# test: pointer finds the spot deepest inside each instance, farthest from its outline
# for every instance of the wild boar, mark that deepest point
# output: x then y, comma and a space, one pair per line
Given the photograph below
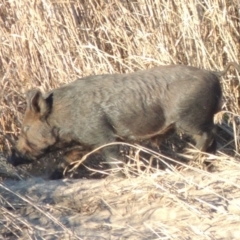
101, 109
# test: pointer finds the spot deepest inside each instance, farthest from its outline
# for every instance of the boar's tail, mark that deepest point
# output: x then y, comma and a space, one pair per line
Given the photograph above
222, 73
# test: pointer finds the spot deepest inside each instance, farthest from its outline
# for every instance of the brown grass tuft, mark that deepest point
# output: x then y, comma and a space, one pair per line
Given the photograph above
48, 43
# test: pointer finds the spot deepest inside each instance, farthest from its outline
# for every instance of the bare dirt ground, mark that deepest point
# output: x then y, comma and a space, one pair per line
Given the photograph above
45, 44
188, 203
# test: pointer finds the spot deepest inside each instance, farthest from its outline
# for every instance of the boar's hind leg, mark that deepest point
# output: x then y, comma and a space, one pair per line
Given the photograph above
201, 127
206, 142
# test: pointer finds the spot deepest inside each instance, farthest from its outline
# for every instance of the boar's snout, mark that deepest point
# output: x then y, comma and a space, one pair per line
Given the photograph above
37, 136
17, 159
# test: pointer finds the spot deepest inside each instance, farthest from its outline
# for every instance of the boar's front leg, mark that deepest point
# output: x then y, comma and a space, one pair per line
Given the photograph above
113, 158
105, 133
69, 157
110, 153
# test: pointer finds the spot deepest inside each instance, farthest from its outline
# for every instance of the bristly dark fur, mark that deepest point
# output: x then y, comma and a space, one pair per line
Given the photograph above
96, 110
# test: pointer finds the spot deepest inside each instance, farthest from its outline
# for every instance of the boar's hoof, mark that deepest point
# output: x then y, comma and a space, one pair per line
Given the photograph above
115, 175
16, 159
56, 175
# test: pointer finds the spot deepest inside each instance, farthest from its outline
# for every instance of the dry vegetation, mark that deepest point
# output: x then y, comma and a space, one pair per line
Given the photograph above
46, 43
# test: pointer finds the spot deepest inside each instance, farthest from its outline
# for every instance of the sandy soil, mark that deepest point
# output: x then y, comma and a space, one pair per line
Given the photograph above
184, 204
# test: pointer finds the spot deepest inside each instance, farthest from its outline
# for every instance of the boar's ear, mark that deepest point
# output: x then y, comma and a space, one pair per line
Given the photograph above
38, 104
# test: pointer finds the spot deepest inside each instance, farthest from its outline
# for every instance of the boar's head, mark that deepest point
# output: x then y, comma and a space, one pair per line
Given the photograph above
37, 136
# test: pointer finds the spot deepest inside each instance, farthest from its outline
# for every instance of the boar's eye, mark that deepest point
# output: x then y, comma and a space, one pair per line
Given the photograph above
25, 129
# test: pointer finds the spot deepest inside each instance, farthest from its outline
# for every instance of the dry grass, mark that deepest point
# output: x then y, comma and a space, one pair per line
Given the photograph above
184, 204
48, 43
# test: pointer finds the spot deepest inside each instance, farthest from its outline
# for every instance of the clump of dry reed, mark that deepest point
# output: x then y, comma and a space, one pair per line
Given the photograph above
47, 43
